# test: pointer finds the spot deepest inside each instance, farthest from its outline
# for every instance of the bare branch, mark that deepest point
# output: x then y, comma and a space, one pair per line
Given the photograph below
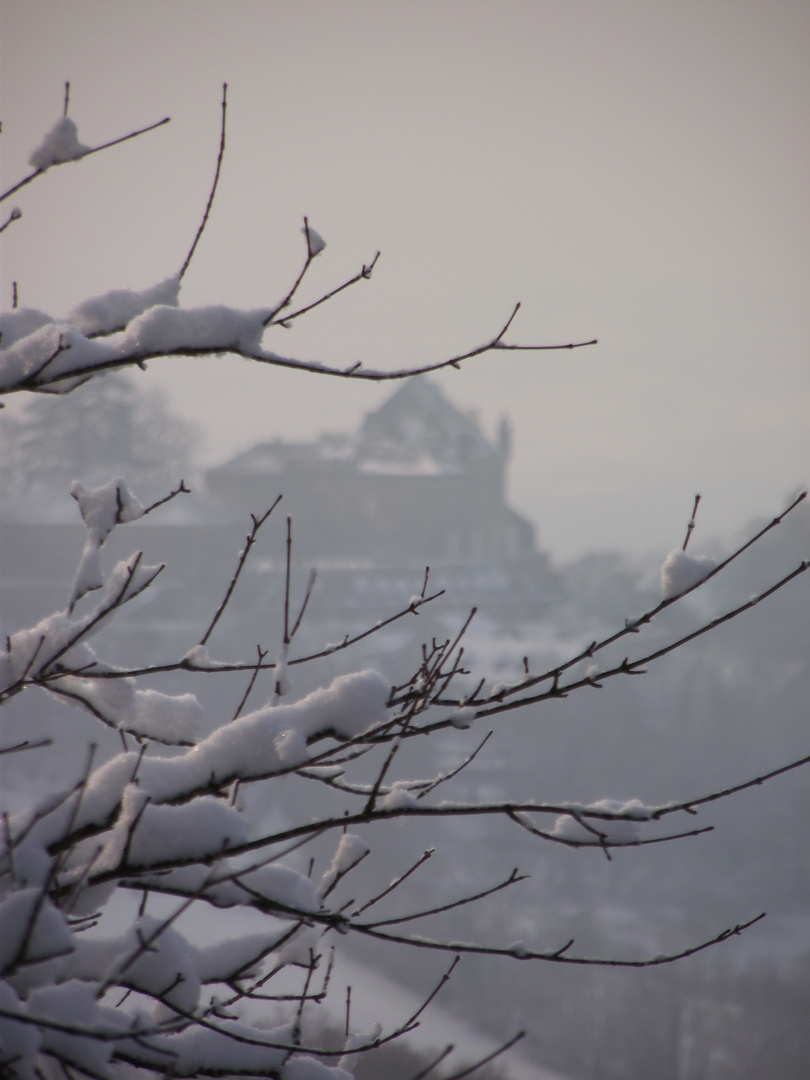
395, 883
210, 203
691, 525
627, 666
513, 879
307, 263
363, 275
287, 583
633, 625
15, 215
26, 745
558, 956
251, 684
490, 1057
310, 586
435, 1063
180, 490
220, 668
249, 542
690, 804
117, 359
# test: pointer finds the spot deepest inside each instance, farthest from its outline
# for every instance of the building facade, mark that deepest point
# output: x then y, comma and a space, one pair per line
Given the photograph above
418, 484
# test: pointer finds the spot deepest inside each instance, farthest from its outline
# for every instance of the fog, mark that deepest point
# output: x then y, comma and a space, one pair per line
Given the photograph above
632, 172
723, 709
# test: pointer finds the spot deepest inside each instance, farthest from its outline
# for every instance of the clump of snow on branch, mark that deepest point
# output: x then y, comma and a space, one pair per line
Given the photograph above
59, 145
270, 740
148, 834
53, 349
18, 324
102, 509
56, 980
199, 657
462, 717
45, 351
63, 637
582, 827
681, 572
350, 851
315, 241
169, 329
400, 797
174, 719
115, 309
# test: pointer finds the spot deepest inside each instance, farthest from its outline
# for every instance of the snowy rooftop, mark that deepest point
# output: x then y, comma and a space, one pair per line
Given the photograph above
417, 431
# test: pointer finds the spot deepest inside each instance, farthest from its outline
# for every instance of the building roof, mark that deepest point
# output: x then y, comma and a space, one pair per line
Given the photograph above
415, 431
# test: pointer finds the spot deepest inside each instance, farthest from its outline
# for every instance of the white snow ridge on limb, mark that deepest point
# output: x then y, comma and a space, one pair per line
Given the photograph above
682, 572
101, 509
115, 309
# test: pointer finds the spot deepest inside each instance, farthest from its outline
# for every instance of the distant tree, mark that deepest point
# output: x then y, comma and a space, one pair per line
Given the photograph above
164, 820
107, 426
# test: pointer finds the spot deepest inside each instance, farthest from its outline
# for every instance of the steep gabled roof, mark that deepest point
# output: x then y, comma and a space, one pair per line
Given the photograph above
418, 421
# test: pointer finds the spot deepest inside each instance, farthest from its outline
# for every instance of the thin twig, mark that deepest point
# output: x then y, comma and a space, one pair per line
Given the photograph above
560, 956
423, 858
691, 523
287, 583
180, 490
513, 879
249, 542
363, 275
310, 585
15, 215
490, 1057
435, 1063
288, 298
210, 203
25, 745
251, 684
690, 804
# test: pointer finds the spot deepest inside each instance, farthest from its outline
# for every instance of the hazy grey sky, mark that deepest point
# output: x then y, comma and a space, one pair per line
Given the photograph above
632, 170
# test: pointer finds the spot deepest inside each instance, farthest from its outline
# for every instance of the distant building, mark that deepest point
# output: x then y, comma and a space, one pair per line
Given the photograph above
418, 484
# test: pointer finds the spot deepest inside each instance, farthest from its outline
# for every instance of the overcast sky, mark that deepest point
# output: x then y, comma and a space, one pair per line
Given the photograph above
629, 170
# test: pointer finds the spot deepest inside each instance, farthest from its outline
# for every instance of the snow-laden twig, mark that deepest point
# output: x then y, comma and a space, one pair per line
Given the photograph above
633, 625
57, 356
86, 152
